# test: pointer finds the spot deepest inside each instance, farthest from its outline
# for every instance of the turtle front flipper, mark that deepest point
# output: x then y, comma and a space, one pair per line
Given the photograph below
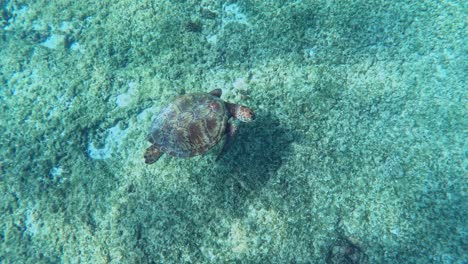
216, 92
231, 131
152, 154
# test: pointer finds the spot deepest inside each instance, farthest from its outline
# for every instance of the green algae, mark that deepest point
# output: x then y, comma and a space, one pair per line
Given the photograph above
357, 155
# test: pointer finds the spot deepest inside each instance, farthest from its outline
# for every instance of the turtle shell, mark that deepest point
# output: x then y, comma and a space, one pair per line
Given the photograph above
190, 125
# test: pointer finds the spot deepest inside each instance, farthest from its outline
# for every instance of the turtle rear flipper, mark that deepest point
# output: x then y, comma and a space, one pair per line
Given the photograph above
216, 92
152, 154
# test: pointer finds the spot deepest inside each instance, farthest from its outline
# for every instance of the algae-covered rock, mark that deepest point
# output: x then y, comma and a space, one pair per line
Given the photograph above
357, 154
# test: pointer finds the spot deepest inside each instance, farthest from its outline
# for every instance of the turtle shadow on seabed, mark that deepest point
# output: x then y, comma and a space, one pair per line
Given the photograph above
255, 156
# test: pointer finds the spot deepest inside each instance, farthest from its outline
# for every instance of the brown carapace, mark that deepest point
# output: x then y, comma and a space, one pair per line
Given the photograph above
194, 123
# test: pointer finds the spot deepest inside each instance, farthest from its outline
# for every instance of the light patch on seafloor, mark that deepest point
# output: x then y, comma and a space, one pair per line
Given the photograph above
54, 41
273, 225
19, 18
263, 216
240, 84
232, 14
31, 221
310, 53
208, 252
212, 39
269, 228
75, 46
238, 238
56, 173
127, 98
114, 138
239, 87
66, 26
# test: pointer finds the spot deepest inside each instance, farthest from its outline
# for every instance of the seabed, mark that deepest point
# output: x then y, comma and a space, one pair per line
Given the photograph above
358, 153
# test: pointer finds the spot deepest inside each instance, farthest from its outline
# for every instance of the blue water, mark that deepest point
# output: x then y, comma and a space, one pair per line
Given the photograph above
357, 154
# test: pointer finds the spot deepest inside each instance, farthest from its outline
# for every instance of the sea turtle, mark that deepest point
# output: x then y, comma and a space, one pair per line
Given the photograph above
192, 124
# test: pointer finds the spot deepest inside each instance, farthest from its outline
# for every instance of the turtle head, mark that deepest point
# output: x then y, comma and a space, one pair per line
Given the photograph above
241, 112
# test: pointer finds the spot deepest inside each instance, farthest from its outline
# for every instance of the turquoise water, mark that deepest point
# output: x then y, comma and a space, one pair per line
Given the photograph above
357, 154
